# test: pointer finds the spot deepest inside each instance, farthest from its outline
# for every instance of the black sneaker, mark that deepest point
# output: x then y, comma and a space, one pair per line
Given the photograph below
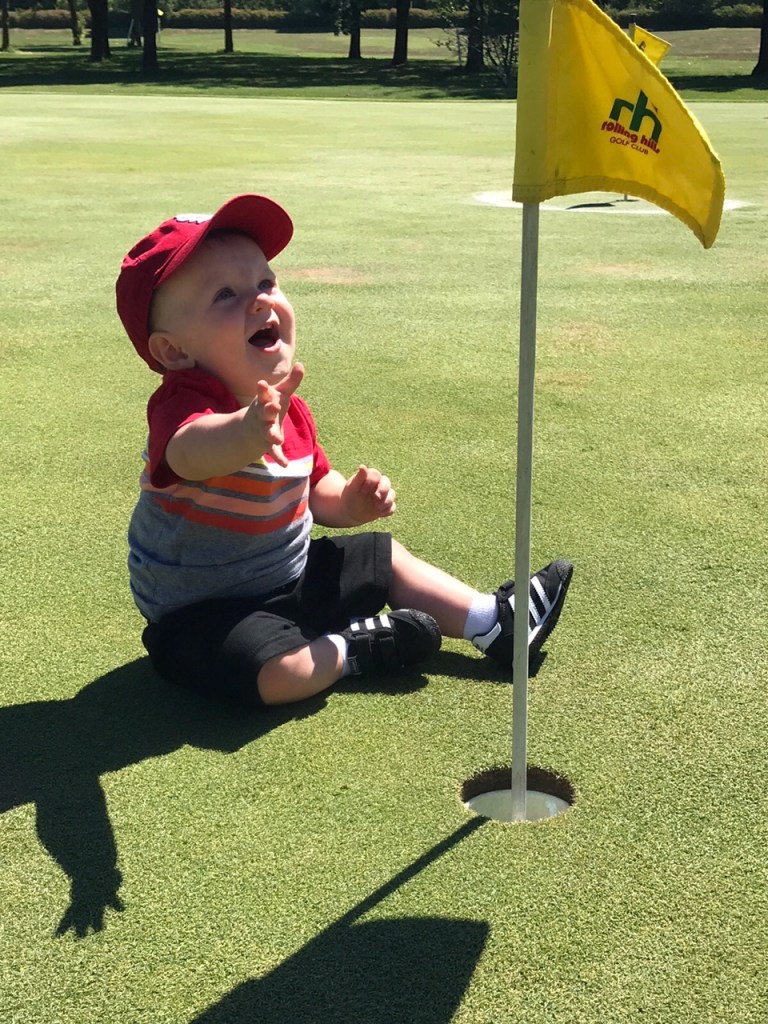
546, 596
387, 642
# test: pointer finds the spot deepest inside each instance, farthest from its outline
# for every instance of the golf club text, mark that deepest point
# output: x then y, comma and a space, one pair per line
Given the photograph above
622, 137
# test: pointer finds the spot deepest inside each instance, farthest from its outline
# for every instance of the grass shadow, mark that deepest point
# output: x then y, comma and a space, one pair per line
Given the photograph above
377, 972
54, 752
219, 72
425, 79
39, 48
456, 665
717, 83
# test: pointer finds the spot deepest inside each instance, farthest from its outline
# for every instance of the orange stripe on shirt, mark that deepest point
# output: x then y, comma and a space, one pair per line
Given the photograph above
261, 483
262, 488
246, 507
194, 514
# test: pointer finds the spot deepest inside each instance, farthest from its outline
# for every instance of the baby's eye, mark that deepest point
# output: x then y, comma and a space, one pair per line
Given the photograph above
223, 293
267, 284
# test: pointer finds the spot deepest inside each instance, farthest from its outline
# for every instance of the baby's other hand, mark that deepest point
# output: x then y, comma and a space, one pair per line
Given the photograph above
368, 495
266, 412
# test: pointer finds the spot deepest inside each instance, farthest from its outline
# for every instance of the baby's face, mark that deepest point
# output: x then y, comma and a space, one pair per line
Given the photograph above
225, 312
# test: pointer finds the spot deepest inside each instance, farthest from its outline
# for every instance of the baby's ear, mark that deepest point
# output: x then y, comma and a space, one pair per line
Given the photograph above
167, 354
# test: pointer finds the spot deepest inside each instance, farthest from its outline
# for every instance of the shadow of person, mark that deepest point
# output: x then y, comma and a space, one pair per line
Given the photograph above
404, 970
408, 970
52, 754
457, 665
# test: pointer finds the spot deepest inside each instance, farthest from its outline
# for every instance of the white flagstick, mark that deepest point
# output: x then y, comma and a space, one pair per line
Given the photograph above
523, 490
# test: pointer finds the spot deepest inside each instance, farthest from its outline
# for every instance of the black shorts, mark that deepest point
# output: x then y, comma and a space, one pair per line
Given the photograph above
219, 647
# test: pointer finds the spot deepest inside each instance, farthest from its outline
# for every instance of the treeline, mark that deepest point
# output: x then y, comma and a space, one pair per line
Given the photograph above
209, 16
288, 16
685, 14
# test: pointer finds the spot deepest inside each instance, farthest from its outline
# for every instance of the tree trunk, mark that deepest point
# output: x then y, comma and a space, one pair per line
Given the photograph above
137, 19
149, 28
99, 30
74, 23
475, 59
229, 45
5, 45
760, 69
402, 11
354, 34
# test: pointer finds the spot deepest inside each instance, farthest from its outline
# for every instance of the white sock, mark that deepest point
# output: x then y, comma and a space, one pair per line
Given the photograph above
481, 617
341, 646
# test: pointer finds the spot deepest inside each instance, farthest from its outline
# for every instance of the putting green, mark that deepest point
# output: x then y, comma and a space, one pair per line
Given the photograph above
318, 864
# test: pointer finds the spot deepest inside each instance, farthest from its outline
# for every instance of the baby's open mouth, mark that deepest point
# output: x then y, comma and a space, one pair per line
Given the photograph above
266, 337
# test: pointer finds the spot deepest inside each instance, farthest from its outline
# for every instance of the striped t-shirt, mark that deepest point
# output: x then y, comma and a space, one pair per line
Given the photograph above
244, 534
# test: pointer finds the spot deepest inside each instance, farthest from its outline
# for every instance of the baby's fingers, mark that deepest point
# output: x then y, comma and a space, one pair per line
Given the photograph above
266, 394
384, 488
365, 480
275, 438
278, 455
291, 381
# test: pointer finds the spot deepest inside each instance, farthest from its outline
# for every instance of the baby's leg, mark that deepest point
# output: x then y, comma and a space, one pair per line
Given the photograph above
487, 620
373, 646
301, 673
417, 584
235, 650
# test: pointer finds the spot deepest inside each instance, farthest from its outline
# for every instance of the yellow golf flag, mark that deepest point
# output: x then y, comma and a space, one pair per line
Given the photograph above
652, 46
594, 114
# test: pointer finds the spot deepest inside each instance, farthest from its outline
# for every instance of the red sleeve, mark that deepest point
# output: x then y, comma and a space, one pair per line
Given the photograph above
321, 466
305, 422
183, 396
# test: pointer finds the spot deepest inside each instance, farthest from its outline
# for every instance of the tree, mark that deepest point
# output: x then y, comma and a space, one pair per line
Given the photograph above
74, 22
347, 20
475, 44
402, 11
99, 30
343, 17
691, 11
760, 69
484, 32
149, 28
229, 45
500, 37
453, 13
134, 29
6, 42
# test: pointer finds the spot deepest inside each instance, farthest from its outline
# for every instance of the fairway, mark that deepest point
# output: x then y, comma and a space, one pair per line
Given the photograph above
163, 861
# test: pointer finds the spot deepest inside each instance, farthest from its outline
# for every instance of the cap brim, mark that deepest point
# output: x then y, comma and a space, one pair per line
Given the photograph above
260, 218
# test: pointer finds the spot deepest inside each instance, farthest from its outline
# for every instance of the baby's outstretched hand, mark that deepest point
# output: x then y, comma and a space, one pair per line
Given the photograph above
368, 495
267, 411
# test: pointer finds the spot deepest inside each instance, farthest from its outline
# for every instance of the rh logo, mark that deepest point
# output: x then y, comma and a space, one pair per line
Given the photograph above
643, 117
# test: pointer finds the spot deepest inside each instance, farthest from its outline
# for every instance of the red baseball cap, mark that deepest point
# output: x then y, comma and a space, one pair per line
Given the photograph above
152, 260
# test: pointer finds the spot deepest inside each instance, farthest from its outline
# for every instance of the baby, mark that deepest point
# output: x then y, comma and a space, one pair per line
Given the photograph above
242, 602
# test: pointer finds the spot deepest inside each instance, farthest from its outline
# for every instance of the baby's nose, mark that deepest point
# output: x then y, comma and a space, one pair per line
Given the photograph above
261, 299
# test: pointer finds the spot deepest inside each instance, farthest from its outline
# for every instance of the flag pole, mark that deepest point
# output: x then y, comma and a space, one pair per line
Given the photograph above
573, 64
523, 493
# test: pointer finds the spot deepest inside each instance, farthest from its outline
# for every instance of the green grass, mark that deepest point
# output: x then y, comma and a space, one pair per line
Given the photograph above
279, 64
316, 864
375, 42
712, 64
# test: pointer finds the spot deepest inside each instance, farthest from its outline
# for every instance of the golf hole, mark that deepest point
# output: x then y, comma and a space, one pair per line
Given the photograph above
489, 794
591, 202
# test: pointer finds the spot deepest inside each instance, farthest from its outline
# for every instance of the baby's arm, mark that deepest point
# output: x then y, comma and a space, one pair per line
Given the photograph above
223, 443
366, 496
